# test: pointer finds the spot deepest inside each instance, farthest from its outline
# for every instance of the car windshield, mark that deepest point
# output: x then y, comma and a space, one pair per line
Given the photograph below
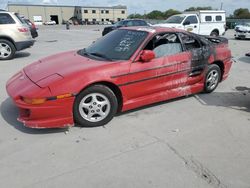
117, 45
175, 19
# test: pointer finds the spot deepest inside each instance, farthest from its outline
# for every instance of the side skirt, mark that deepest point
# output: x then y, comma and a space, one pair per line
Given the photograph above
162, 96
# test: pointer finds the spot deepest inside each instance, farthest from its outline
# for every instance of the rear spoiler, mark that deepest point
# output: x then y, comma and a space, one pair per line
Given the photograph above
216, 40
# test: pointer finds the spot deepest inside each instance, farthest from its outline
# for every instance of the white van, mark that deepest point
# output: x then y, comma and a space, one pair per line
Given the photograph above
203, 22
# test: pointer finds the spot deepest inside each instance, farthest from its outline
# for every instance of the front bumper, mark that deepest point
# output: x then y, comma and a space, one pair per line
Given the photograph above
24, 44
242, 35
51, 114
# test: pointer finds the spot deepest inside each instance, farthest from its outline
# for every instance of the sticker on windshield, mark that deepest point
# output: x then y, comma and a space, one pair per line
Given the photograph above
127, 41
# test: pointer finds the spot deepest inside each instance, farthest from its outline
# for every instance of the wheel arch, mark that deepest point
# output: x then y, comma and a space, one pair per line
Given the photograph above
215, 30
111, 86
221, 66
9, 39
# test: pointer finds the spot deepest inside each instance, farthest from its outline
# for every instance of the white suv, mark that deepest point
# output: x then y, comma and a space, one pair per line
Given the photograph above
14, 35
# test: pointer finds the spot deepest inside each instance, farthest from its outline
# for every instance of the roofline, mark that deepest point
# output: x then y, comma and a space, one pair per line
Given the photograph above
53, 5
203, 11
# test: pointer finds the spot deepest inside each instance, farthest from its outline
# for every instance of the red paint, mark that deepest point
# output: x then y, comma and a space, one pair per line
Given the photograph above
141, 83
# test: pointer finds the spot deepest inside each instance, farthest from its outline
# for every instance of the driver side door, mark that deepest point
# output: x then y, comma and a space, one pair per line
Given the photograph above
143, 78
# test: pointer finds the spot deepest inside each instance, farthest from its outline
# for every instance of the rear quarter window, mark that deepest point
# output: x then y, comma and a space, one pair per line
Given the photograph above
6, 19
218, 18
20, 19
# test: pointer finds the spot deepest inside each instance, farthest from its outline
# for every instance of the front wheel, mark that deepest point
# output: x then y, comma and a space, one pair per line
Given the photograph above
95, 106
213, 77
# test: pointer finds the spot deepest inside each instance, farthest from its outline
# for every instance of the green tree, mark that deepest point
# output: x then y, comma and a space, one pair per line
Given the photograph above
242, 13
198, 8
132, 16
171, 12
155, 14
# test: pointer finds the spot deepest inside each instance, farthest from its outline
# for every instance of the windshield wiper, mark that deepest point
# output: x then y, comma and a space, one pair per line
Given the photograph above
83, 52
101, 55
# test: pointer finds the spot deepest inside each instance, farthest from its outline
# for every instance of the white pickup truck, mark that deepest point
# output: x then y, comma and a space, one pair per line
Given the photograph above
203, 22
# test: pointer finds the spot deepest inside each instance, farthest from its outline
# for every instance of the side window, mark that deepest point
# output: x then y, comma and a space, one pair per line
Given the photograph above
164, 45
136, 23
142, 23
125, 23
208, 18
192, 19
189, 41
129, 23
6, 19
218, 18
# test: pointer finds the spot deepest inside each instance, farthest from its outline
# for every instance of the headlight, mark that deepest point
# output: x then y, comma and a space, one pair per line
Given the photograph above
36, 101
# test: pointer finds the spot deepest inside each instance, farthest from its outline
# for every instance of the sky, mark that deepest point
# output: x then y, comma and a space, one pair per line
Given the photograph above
144, 6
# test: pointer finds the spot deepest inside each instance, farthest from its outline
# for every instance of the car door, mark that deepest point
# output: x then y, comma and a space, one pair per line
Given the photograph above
143, 78
161, 73
175, 64
191, 24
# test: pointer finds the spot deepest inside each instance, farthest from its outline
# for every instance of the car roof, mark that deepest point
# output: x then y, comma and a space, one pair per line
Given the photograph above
153, 29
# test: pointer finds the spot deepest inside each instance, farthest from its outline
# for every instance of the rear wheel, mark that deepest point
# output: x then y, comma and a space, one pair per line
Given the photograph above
95, 106
213, 77
7, 50
214, 34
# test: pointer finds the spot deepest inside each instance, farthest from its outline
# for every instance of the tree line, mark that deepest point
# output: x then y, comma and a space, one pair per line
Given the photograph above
241, 13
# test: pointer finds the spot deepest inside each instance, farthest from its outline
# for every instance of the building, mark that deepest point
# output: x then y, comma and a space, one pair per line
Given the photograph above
102, 14
61, 13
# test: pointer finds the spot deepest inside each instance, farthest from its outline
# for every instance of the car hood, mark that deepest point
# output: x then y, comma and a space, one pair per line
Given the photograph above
58, 66
171, 25
242, 28
109, 27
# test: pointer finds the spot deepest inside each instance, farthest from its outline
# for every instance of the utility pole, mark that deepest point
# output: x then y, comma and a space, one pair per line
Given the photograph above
221, 5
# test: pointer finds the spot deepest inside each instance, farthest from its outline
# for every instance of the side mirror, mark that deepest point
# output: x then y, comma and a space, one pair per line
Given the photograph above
186, 23
147, 55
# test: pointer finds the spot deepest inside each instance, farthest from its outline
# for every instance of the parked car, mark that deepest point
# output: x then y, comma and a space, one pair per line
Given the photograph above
14, 35
38, 22
203, 22
124, 23
242, 31
32, 27
126, 69
52, 22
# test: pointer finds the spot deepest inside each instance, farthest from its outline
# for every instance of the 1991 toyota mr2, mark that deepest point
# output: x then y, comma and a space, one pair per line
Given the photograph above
125, 69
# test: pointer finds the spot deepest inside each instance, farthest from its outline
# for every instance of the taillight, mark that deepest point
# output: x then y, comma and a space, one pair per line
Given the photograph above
23, 29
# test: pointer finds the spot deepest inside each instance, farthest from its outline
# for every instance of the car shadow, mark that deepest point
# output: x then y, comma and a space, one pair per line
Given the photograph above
9, 112
238, 100
21, 55
245, 59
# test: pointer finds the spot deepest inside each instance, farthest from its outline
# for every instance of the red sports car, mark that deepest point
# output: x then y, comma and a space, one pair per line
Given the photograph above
125, 69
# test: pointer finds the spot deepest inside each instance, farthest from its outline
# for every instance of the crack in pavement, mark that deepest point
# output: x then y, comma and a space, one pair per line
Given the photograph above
194, 165
94, 163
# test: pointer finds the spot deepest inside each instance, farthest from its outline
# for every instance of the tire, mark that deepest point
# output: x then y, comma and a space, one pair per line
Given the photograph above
214, 34
7, 50
212, 79
95, 106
